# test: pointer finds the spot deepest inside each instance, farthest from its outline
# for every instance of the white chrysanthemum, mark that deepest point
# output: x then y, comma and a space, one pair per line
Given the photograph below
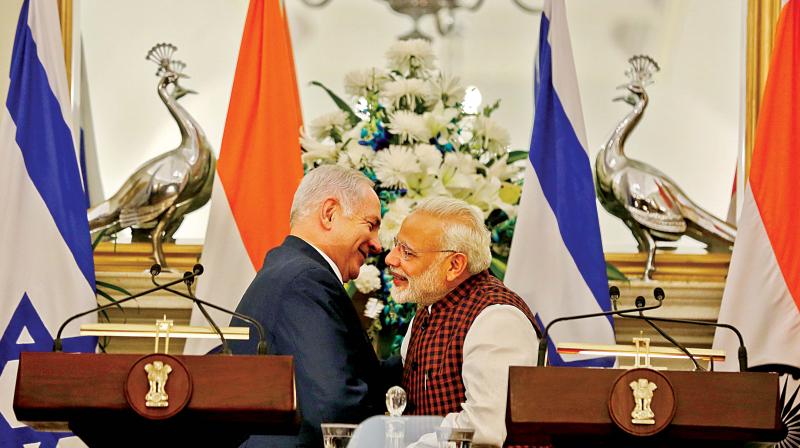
446, 89
439, 121
407, 93
394, 164
502, 170
373, 308
316, 151
360, 82
409, 55
368, 280
322, 126
390, 224
492, 136
409, 126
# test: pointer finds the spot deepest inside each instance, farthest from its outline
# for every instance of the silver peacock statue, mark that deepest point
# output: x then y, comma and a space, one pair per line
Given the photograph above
154, 200
651, 204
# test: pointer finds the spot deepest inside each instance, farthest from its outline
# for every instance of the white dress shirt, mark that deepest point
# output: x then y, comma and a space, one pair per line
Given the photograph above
500, 336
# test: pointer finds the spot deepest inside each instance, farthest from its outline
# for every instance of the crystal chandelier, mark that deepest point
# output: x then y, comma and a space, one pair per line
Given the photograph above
443, 12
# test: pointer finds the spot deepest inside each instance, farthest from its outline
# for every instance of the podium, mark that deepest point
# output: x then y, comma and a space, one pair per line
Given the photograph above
567, 406
214, 400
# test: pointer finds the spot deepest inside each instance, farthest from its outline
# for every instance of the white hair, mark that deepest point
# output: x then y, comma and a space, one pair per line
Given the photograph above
344, 184
463, 230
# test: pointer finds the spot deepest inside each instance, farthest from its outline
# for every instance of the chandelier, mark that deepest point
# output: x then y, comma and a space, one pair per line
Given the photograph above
443, 12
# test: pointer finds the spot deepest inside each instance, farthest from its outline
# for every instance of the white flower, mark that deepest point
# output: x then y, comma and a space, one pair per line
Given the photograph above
373, 308
369, 279
393, 164
429, 157
492, 136
390, 224
502, 170
322, 126
355, 156
360, 82
446, 89
315, 151
458, 173
406, 56
409, 126
438, 122
485, 194
407, 93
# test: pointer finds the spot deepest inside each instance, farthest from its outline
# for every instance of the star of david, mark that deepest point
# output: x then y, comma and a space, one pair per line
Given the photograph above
26, 318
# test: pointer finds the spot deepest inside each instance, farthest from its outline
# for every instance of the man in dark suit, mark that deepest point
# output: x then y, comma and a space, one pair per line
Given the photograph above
298, 296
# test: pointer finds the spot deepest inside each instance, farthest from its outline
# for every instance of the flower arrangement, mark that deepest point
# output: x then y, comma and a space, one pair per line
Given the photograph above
411, 130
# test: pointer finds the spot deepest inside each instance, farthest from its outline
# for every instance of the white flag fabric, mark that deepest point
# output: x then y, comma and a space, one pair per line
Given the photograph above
556, 262
46, 264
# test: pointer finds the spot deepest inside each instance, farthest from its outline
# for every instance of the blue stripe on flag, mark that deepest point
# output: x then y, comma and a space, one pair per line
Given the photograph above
46, 144
564, 172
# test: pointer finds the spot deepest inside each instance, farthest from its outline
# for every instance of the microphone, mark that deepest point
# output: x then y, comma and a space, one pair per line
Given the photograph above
614, 293
188, 279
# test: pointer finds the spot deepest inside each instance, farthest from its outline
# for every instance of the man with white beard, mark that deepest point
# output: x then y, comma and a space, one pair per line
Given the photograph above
469, 328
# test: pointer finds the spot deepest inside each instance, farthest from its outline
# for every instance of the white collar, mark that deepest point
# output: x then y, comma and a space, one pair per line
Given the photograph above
330, 262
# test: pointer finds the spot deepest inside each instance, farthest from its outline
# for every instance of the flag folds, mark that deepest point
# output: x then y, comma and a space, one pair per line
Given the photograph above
259, 163
46, 264
556, 262
762, 295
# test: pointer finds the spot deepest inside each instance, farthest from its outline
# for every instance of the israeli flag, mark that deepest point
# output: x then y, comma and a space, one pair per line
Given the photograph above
556, 262
46, 265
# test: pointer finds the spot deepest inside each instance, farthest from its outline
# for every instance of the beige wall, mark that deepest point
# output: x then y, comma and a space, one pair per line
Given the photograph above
691, 130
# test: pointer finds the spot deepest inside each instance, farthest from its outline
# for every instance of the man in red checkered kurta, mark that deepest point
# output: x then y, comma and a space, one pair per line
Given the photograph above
469, 328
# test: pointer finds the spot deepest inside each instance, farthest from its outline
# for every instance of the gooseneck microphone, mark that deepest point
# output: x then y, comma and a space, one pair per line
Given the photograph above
188, 279
614, 292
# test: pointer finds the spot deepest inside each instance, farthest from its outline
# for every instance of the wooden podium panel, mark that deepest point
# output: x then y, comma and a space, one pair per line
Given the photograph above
569, 406
231, 397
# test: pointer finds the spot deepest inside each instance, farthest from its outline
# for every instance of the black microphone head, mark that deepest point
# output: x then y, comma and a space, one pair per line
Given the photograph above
155, 269
198, 269
658, 293
613, 292
187, 278
640, 302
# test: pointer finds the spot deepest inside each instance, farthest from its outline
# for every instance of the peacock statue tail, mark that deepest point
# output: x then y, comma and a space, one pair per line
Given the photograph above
155, 198
651, 204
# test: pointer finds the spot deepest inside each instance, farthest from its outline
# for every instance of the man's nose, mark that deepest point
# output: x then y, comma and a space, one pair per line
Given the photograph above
374, 246
393, 257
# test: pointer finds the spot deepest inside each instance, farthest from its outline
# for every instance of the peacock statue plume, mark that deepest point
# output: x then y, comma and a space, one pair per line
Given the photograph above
155, 198
651, 204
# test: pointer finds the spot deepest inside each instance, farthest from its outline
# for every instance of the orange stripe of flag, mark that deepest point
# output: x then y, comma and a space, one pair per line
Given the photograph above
259, 163
775, 167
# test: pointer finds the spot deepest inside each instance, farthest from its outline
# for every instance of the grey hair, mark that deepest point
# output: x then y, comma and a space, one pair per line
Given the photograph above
325, 181
463, 230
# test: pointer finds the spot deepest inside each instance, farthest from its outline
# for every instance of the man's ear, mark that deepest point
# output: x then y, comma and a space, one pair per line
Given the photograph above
326, 212
458, 265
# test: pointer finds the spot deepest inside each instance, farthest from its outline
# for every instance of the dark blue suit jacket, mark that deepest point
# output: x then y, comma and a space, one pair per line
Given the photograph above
307, 314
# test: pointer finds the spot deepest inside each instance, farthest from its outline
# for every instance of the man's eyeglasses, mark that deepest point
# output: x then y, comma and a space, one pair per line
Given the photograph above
406, 253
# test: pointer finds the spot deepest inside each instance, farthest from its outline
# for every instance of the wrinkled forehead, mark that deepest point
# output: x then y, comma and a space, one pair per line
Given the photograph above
421, 230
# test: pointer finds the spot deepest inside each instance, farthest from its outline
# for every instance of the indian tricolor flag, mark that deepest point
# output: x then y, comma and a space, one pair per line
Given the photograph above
762, 296
259, 164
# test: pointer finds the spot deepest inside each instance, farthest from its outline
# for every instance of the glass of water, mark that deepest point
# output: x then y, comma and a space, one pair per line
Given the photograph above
337, 435
454, 437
